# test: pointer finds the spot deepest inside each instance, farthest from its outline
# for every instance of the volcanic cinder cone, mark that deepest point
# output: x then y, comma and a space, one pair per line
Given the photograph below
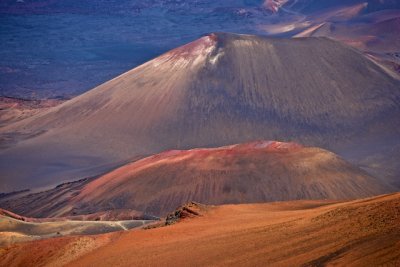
260, 171
220, 89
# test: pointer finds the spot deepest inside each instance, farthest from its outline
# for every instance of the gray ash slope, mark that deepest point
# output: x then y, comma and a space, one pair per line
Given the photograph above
220, 89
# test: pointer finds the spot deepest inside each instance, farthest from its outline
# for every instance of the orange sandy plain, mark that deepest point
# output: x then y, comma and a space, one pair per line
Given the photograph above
358, 233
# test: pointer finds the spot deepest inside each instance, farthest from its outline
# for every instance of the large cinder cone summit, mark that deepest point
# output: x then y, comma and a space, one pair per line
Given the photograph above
220, 89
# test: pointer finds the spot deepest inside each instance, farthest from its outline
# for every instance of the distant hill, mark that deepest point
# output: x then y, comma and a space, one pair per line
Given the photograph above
261, 171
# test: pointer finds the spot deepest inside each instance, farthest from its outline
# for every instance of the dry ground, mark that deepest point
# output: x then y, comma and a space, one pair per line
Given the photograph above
302, 233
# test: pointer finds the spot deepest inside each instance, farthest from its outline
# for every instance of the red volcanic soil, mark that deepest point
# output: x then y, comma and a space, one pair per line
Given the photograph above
251, 172
259, 171
302, 233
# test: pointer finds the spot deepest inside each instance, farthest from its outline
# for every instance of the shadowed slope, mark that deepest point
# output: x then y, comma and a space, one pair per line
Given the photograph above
302, 233
246, 173
220, 89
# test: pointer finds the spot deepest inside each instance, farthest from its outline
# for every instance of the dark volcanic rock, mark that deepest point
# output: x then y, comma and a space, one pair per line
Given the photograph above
190, 210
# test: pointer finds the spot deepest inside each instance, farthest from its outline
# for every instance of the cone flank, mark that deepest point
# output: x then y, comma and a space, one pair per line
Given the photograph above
218, 90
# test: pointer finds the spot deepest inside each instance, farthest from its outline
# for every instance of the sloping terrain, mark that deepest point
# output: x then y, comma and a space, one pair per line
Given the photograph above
246, 173
370, 26
218, 90
14, 109
107, 215
15, 228
374, 33
49, 205
260, 171
302, 233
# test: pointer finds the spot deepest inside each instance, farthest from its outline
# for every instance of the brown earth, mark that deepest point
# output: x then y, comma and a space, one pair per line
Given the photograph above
302, 233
